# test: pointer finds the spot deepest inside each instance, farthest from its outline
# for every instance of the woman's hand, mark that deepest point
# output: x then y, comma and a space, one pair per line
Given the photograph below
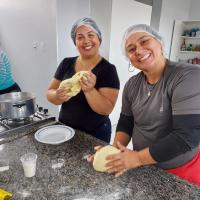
88, 82
61, 95
123, 161
90, 157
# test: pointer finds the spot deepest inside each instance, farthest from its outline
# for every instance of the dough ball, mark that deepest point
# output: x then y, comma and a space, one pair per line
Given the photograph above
100, 161
72, 84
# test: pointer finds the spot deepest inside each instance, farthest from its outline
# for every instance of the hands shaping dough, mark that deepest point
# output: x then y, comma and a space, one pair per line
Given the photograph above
72, 85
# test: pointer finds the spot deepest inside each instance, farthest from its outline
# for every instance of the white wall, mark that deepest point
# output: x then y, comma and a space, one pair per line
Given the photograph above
172, 9
194, 12
101, 13
24, 24
68, 12
133, 13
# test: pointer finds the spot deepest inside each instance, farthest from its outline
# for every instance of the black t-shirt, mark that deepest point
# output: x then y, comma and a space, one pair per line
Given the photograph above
76, 112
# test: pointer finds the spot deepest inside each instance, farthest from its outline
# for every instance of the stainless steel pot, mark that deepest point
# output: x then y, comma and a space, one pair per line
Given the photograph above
17, 105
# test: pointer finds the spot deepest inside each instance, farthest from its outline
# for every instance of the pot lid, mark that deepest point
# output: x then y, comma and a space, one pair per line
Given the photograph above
16, 97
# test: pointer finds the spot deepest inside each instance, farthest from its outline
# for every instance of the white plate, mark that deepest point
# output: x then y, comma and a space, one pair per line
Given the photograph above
56, 134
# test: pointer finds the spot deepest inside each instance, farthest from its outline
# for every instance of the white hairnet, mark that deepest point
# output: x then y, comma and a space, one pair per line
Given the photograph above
86, 22
140, 28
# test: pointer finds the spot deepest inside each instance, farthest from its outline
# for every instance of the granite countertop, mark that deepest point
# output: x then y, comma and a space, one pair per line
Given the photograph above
63, 173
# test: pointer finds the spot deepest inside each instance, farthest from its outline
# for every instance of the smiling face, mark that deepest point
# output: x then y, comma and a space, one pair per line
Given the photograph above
87, 41
144, 51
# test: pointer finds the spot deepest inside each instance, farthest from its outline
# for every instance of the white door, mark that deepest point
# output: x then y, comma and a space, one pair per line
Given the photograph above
176, 40
124, 14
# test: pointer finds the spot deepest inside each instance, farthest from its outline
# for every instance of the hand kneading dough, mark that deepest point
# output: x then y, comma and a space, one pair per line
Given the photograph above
72, 84
100, 161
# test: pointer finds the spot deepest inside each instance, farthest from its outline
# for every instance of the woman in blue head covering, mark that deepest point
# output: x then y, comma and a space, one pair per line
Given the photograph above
89, 109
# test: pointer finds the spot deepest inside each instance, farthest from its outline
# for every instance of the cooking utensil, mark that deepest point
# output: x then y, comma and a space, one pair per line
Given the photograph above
17, 105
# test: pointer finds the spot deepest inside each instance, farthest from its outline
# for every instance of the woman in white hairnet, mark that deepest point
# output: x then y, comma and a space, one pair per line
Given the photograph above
7, 83
88, 110
160, 110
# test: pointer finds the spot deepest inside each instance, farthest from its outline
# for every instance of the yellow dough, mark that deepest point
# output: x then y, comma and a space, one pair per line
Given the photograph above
100, 161
72, 84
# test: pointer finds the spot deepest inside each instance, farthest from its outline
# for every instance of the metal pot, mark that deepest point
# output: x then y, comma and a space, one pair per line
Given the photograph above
17, 105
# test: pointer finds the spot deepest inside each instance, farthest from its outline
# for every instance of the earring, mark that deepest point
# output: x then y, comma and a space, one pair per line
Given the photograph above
131, 68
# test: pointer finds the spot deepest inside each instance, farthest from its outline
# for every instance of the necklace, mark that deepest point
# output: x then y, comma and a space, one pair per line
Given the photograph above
150, 88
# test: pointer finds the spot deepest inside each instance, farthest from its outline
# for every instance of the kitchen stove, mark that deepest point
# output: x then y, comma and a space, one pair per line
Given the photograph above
23, 126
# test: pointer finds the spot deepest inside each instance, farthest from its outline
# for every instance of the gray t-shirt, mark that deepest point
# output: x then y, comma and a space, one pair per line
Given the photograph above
176, 93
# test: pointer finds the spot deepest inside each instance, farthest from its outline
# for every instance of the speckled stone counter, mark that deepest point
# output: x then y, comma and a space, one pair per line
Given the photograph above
63, 173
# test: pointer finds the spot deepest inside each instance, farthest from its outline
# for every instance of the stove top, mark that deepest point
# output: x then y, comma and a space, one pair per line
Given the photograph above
20, 127
8, 124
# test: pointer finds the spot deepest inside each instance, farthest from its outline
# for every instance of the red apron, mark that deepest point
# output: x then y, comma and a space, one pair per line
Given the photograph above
189, 171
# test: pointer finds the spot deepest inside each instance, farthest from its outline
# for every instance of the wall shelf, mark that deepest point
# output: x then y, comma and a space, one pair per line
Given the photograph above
180, 41
195, 52
187, 37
